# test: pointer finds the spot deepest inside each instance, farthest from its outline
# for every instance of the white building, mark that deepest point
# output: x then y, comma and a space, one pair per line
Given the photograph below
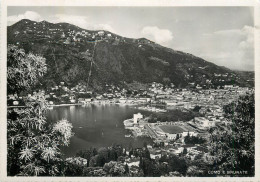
137, 117
228, 86
191, 133
101, 33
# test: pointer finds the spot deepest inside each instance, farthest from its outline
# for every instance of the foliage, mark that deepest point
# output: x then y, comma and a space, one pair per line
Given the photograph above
145, 153
33, 145
87, 154
149, 167
126, 169
185, 151
23, 70
102, 156
174, 174
233, 145
173, 115
74, 166
175, 163
196, 108
135, 171
194, 171
114, 168
194, 140
94, 172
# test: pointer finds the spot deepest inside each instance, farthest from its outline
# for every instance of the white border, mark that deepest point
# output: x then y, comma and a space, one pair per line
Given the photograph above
176, 3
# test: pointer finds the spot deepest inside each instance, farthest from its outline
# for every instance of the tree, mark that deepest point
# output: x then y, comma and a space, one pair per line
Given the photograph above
194, 171
93, 161
194, 140
121, 159
126, 169
114, 168
74, 166
233, 145
164, 169
177, 164
103, 156
33, 145
118, 150
145, 144
94, 171
87, 154
185, 151
108, 166
131, 152
117, 170
112, 155
177, 137
23, 70
146, 153
149, 167
196, 108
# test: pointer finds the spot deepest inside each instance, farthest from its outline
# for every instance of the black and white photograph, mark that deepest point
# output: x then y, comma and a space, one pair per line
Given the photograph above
130, 91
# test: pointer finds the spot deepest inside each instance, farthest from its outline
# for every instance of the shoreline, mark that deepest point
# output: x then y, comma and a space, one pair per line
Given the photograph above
60, 105
78, 104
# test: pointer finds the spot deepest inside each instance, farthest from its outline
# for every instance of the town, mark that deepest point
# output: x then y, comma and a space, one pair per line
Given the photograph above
189, 137
211, 101
169, 137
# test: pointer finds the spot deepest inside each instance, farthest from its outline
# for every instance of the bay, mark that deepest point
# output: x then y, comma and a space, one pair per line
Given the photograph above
97, 125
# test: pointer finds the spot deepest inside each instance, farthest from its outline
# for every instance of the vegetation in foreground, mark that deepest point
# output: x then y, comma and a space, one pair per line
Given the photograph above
33, 145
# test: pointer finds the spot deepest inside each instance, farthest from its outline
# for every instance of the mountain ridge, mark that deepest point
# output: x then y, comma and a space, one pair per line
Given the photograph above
71, 52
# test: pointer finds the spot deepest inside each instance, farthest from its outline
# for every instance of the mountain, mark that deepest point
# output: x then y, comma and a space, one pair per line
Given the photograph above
71, 52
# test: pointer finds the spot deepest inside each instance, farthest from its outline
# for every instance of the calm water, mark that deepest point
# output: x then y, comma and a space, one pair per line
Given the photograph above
96, 125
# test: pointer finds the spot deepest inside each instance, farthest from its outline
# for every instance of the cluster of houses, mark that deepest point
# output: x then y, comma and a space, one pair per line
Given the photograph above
68, 34
211, 101
80, 94
209, 104
85, 36
169, 138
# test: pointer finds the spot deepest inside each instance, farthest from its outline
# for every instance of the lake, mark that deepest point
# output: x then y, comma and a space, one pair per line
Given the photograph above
97, 125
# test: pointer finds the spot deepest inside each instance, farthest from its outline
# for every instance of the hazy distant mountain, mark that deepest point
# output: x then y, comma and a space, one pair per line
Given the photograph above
68, 50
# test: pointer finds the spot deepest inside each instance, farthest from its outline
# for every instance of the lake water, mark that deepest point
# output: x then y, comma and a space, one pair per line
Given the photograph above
97, 125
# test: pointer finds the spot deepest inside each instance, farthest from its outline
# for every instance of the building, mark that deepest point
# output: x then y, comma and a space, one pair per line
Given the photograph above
122, 100
101, 33
72, 98
137, 117
228, 86
204, 122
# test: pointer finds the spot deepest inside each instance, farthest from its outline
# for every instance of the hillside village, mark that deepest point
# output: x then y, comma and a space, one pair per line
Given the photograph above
71, 35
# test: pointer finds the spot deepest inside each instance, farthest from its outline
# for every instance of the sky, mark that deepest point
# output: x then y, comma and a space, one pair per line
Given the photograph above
222, 35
